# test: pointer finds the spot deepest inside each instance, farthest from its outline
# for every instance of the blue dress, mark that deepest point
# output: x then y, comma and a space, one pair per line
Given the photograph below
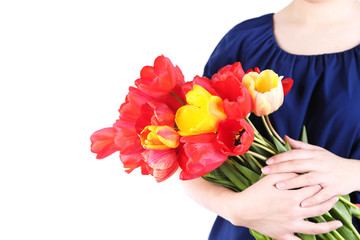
325, 96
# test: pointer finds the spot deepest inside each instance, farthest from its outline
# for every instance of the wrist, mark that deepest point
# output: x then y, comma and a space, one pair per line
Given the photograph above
236, 210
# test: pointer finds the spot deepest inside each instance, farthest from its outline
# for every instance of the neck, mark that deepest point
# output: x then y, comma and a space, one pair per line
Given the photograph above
323, 11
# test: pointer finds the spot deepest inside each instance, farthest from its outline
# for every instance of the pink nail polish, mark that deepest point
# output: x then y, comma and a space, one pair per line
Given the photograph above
280, 185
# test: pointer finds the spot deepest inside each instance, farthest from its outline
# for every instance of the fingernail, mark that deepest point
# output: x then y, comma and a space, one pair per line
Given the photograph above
305, 204
270, 161
280, 185
265, 170
339, 224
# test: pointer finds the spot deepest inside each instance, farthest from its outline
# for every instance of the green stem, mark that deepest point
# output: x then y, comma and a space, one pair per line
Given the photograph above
252, 125
177, 98
259, 138
257, 155
264, 142
322, 236
238, 157
344, 200
273, 130
264, 147
338, 235
267, 126
256, 161
353, 229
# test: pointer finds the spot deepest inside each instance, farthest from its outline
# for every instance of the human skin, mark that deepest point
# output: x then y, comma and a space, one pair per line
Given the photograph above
335, 175
305, 27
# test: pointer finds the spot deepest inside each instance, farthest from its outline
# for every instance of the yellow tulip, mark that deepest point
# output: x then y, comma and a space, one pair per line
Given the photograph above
266, 91
202, 114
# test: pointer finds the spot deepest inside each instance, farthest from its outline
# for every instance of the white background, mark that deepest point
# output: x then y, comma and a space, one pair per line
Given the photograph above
65, 67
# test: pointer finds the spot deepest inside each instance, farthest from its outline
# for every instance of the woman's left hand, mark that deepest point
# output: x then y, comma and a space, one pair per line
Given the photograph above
336, 175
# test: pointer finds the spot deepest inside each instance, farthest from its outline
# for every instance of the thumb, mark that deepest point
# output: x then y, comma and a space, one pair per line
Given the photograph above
295, 144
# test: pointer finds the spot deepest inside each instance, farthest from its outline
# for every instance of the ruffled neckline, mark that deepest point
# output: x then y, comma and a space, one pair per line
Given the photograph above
276, 45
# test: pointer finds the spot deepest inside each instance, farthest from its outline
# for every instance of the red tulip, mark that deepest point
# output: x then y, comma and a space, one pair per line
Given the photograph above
102, 142
134, 160
131, 124
237, 99
235, 136
160, 79
137, 113
235, 68
156, 114
199, 155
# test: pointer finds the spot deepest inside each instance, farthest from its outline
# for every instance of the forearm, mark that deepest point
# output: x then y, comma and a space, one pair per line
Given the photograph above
356, 174
211, 196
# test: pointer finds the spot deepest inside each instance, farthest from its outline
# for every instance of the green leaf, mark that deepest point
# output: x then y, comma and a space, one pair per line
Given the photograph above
249, 174
304, 137
306, 237
355, 212
279, 146
260, 151
234, 176
321, 237
341, 212
251, 160
287, 146
258, 236
223, 183
344, 231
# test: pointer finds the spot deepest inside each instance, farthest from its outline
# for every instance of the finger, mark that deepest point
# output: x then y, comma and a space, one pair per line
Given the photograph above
307, 192
322, 196
311, 228
307, 179
290, 155
319, 209
274, 178
297, 166
295, 144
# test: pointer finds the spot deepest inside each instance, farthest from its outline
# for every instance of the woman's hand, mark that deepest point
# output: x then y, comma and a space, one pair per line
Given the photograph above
277, 213
336, 175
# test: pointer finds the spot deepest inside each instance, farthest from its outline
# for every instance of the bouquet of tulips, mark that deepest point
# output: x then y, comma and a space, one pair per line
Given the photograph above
202, 128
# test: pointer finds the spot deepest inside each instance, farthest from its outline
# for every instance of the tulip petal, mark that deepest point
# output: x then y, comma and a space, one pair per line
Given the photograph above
163, 162
102, 142
160, 79
132, 161
287, 84
235, 136
159, 137
168, 136
199, 157
191, 120
266, 92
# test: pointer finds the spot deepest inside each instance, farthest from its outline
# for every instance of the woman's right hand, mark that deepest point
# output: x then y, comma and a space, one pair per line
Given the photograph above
277, 213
